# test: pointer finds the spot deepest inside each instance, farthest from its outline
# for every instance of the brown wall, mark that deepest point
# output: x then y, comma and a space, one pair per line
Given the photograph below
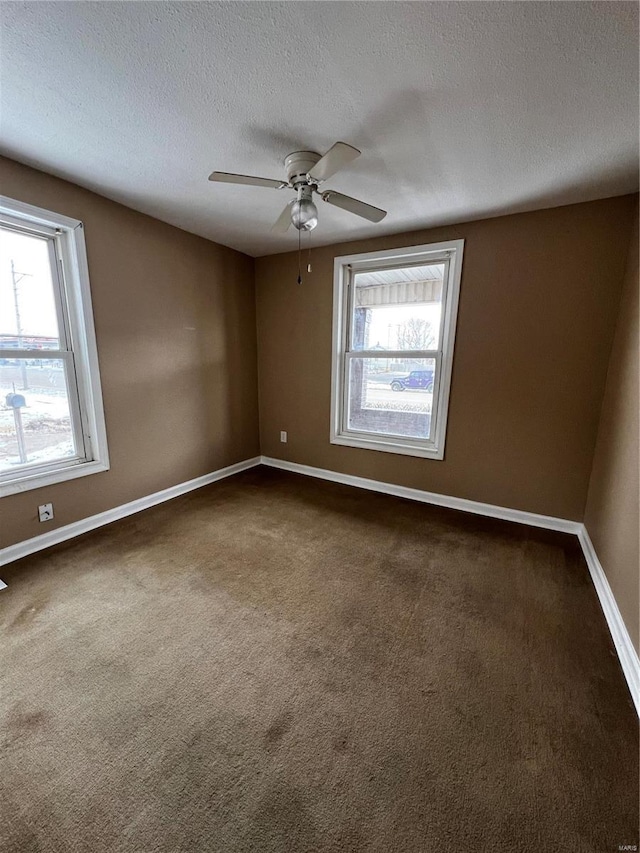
612, 515
538, 305
175, 325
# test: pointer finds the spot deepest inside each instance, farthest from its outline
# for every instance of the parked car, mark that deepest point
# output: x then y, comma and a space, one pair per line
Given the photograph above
420, 380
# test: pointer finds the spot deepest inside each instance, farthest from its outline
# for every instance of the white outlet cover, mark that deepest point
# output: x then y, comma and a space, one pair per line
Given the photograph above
45, 512
283, 436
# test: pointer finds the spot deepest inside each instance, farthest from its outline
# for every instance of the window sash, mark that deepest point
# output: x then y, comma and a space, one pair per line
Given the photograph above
404, 262
54, 249
399, 354
33, 354
352, 287
26, 226
34, 470
385, 436
80, 437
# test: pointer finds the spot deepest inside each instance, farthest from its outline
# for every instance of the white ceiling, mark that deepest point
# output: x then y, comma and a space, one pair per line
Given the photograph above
461, 110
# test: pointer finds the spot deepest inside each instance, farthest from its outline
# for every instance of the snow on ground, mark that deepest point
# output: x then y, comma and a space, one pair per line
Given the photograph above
378, 396
46, 426
51, 453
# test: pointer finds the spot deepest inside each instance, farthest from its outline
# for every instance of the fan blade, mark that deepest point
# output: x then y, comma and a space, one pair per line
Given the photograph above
336, 157
282, 223
228, 178
367, 211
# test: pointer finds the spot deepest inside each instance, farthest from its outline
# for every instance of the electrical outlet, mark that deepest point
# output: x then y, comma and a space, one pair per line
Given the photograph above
283, 436
45, 512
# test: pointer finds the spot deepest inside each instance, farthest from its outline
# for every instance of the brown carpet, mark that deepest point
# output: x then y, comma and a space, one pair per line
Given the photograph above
275, 663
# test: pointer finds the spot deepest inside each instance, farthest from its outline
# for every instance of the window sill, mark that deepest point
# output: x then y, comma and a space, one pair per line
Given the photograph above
389, 446
49, 478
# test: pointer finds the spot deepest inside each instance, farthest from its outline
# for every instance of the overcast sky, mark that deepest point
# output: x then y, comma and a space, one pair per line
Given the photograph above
385, 321
35, 291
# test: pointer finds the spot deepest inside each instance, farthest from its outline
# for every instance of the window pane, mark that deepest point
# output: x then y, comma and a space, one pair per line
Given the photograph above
391, 397
398, 309
40, 431
28, 317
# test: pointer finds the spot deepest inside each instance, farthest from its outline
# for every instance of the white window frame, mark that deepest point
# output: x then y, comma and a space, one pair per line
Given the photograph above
345, 267
77, 347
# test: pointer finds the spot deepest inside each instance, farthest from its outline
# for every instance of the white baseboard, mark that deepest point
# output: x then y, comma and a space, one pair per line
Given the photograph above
61, 534
626, 650
520, 516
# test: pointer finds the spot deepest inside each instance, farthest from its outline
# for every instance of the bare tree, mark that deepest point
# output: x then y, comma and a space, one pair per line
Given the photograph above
416, 334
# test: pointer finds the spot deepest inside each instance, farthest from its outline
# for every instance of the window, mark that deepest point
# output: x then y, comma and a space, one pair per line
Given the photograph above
394, 327
51, 417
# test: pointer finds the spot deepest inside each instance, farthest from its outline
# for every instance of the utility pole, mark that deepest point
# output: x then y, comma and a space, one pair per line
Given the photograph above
16, 278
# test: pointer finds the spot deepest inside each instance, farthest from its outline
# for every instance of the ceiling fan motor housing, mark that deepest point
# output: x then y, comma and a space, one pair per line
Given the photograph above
298, 165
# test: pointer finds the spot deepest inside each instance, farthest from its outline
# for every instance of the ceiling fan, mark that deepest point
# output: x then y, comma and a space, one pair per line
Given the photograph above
306, 170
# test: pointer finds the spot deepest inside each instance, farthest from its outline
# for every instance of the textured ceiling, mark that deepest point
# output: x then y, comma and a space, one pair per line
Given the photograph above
461, 110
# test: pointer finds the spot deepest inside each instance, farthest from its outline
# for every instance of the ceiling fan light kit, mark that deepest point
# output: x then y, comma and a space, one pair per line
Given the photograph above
306, 170
304, 213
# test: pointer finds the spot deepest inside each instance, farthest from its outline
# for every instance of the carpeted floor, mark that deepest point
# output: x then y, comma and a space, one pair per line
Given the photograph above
276, 663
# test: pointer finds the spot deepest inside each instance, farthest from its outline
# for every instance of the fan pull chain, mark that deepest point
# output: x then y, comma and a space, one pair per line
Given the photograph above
300, 256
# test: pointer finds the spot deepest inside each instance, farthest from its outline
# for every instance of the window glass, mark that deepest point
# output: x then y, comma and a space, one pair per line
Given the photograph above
28, 317
393, 396
398, 309
35, 421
